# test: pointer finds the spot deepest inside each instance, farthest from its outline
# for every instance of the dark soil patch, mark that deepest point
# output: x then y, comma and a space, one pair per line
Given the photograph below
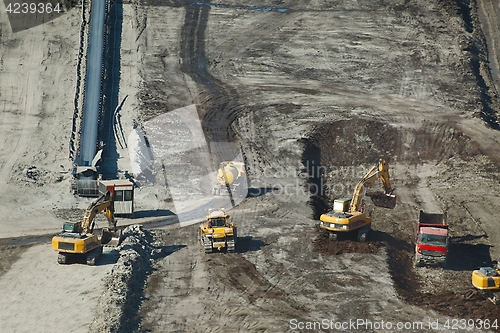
9, 255
311, 159
468, 304
324, 245
243, 276
471, 303
358, 141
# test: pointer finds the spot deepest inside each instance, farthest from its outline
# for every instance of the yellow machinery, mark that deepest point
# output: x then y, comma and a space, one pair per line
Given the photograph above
488, 279
231, 176
348, 213
217, 232
78, 239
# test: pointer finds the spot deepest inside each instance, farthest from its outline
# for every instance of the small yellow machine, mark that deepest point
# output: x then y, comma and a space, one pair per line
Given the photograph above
217, 232
231, 178
488, 279
78, 239
348, 213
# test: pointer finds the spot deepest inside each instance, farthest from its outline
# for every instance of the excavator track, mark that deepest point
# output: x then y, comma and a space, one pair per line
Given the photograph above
62, 258
231, 245
207, 245
363, 233
93, 255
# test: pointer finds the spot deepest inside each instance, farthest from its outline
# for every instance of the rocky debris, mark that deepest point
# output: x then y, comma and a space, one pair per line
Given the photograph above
326, 246
70, 214
31, 174
117, 307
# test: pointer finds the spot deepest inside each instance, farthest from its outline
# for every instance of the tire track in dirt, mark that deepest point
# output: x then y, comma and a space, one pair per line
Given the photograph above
225, 290
174, 295
28, 101
219, 101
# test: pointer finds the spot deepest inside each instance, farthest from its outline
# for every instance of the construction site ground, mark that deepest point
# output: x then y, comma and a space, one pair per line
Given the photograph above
313, 93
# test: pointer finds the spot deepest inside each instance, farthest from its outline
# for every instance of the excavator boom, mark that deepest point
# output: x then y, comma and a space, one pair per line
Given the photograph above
379, 170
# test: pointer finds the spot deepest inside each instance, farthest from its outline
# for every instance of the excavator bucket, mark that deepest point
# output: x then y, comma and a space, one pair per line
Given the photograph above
111, 238
384, 200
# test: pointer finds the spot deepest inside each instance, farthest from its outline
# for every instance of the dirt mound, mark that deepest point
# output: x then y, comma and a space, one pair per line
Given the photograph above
32, 175
70, 214
117, 307
358, 141
354, 141
324, 245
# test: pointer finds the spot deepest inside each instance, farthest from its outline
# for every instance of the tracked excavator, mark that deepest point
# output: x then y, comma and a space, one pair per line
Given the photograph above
217, 233
488, 279
80, 240
348, 214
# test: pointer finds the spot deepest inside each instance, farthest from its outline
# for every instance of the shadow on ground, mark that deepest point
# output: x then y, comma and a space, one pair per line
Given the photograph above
249, 244
153, 213
467, 257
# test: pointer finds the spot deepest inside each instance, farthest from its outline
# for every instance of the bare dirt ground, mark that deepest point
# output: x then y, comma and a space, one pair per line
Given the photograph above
313, 93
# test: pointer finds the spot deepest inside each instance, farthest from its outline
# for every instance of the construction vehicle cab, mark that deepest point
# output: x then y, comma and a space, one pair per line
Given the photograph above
72, 227
217, 232
348, 214
217, 222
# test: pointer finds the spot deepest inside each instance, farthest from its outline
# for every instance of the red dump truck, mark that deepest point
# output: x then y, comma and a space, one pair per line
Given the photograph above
431, 244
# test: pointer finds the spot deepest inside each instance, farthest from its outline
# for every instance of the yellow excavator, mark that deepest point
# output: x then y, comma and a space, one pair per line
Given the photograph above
217, 233
488, 279
348, 214
78, 240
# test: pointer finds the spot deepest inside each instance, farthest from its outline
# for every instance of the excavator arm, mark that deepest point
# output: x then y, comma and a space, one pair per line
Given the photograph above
379, 170
103, 203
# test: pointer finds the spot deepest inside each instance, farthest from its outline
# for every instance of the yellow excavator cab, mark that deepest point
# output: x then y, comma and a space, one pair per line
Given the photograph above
488, 279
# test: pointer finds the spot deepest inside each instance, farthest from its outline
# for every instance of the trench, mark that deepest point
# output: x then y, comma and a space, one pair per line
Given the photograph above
326, 150
479, 62
219, 106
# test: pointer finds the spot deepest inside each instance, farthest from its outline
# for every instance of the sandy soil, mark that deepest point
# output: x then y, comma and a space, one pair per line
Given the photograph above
312, 94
